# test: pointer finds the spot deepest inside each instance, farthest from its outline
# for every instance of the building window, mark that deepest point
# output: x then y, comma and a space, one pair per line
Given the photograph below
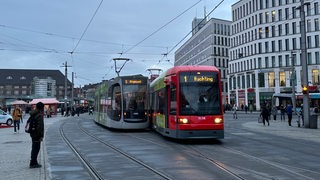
316, 41
316, 8
273, 31
248, 81
260, 33
9, 77
273, 16
280, 60
243, 82
294, 13
294, 56
261, 80
271, 79
266, 45
287, 60
282, 76
286, 28
309, 58
8, 92
287, 45
253, 78
259, 63
24, 92
317, 57
294, 30
280, 45
273, 46
266, 60
308, 9
309, 25
294, 43
309, 42
280, 29
316, 24
280, 15
273, 59
287, 13
315, 76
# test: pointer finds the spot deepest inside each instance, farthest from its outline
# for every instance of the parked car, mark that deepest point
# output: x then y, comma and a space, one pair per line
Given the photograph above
5, 118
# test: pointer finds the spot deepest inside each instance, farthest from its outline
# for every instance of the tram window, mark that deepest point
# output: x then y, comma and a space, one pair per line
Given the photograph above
161, 101
115, 111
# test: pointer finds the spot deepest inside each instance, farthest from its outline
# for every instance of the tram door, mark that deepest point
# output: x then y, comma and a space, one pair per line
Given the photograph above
172, 106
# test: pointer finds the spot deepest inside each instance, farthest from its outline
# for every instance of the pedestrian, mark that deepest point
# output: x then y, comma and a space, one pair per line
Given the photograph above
235, 108
283, 112
37, 134
246, 108
16, 117
289, 113
265, 115
274, 112
91, 110
250, 108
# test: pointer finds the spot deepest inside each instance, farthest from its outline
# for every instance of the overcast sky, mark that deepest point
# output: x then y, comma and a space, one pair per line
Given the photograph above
43, 34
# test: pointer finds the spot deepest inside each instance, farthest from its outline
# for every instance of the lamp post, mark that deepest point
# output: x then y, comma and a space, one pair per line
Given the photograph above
304, 64
292, 80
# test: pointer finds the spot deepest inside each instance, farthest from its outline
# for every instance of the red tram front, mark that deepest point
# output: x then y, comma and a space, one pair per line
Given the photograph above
186, 103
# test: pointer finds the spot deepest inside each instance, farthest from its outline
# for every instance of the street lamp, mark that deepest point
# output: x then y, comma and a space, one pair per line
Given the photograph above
304, 64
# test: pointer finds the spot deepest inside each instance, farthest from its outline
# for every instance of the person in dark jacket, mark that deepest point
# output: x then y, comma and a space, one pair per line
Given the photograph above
37, 134
265, 115
289, 113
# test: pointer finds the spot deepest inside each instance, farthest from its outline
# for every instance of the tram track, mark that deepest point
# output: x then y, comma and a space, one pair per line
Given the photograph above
94, 172
234, 170
284, 168
217, 155
90, 169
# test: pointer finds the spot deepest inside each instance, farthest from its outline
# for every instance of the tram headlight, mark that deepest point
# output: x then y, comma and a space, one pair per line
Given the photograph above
218, 120
183, 121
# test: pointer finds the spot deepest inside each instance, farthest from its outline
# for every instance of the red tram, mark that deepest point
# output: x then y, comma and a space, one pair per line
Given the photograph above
186, 103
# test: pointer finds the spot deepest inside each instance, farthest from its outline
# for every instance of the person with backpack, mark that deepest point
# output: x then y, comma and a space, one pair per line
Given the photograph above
36, 133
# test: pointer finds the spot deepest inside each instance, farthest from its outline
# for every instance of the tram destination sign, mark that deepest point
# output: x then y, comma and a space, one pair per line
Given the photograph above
134, 81
198, 77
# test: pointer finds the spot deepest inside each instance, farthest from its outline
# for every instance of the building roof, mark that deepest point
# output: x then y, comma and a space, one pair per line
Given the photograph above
25, 76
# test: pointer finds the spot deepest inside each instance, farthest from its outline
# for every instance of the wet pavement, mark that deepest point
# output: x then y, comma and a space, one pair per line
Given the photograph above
15, 147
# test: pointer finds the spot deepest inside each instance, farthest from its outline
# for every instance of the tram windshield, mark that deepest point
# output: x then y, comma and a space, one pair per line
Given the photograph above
199, 93
134, 100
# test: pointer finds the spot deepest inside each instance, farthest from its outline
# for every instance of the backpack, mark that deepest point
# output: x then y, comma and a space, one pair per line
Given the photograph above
29, 128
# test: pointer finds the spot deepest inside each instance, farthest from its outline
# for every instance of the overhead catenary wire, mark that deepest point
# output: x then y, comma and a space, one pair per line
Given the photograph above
94, 14
196, 26
161, 27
